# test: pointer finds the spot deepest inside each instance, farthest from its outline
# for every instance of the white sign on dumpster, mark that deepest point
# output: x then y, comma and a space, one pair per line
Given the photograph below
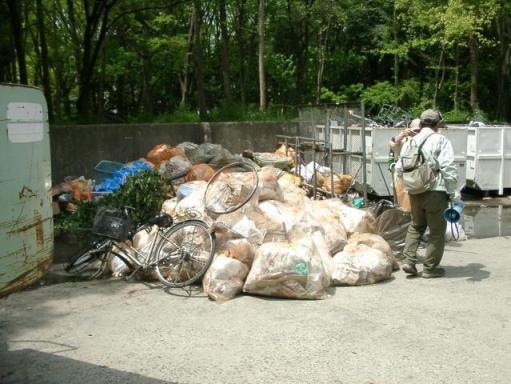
25, 122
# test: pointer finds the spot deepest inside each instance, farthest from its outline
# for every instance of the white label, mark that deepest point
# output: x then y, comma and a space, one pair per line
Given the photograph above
25, 122
25, 112
25, 132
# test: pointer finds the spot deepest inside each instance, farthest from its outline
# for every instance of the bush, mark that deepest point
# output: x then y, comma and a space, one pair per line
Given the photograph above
379, 94
456, 116
144, 192
180, 115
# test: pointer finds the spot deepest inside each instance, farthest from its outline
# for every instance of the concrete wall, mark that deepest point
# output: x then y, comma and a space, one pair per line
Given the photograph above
76, 149
256, 136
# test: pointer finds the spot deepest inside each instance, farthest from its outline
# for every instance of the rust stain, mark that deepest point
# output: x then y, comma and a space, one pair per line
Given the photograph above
31, 276
39, 231
26, 193
37, 222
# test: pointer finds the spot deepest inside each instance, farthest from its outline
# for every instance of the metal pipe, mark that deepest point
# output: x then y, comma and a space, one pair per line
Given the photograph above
328, 126
314, 168
502, 161
364, 174
298, 165
345, 139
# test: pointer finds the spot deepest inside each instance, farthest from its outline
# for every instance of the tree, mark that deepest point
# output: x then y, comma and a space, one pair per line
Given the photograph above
160, 60
7, 49
464, 22
503, 33
96, 25
44, 56
225, 52
199, 64
262, 81
18, 33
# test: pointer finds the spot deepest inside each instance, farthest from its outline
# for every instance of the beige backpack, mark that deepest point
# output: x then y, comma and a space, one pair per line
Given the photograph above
418, 176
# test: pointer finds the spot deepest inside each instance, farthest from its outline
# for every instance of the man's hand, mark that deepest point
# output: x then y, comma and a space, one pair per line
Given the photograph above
405, 133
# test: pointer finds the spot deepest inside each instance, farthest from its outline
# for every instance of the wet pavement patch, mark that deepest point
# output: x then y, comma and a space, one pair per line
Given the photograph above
481, 221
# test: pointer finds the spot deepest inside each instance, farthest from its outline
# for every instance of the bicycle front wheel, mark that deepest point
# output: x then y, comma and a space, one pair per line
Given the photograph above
184, 253
230, 188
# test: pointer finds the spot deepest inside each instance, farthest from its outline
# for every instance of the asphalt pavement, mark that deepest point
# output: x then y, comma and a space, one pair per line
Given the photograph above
454, 329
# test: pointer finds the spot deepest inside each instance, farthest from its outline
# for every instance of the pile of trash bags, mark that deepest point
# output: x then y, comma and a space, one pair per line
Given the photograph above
282, 244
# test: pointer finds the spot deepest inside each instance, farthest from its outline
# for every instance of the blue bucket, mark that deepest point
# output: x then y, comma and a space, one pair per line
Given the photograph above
453, 213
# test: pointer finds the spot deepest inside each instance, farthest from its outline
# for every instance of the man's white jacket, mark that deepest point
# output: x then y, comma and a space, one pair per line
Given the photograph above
439, 153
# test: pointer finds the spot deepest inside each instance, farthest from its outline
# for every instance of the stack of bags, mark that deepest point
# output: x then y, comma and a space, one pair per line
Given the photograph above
282, 244
186, 158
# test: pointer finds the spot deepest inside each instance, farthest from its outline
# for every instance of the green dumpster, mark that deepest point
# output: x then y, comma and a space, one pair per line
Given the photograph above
26, 221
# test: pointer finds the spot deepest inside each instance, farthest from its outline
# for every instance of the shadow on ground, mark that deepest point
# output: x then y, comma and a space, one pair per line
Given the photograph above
473, 272
31, 366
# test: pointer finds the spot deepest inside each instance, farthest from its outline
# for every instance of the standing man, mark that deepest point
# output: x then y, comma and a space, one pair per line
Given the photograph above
427, 208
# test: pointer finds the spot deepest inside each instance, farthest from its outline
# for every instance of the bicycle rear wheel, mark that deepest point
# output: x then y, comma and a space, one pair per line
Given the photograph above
92, 262
230, 188
184, 253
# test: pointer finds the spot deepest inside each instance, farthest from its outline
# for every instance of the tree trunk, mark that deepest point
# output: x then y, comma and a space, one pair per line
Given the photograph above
396, 44
96, 19
262, 82
225, 53
301, 34
101, 87
73, 34
44, 57
199, 65
183, 78
323, 40
474, 101
147, 103
17, 31
240, 24
503, 29
456, 80
437, 77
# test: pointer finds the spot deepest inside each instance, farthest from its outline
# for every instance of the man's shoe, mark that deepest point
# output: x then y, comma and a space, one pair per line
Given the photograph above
433, 272
409, 269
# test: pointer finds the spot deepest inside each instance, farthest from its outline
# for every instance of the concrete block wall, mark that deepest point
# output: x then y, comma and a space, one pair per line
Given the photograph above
76, 149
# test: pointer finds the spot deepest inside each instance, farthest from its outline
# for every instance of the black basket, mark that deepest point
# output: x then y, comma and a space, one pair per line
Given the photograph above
112, 223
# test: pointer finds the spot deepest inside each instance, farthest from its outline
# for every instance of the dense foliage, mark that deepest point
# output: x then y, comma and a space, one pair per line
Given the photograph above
145, 193
171, 60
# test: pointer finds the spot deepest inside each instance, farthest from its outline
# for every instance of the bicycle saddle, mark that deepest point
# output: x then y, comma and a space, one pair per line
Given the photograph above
161, 220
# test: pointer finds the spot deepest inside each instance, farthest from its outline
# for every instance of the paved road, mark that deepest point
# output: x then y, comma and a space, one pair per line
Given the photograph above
450, 330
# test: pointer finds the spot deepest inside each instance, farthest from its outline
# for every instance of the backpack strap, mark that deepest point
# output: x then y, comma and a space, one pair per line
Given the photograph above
419, 149
423, 141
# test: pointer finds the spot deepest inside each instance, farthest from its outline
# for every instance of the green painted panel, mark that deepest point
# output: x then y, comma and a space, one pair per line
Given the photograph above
26, 221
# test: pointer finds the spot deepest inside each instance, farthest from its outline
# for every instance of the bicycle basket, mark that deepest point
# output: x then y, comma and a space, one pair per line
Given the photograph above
112, 223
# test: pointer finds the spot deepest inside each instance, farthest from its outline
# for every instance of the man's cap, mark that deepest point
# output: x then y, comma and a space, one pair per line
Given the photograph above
430, 117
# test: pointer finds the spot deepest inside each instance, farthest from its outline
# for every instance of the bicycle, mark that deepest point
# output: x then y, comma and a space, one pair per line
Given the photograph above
180, 253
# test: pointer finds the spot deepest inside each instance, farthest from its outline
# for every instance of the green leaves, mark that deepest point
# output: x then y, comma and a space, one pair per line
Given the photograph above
144, 192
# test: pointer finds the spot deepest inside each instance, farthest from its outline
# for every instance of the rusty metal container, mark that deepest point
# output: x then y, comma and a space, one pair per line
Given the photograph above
26, 217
